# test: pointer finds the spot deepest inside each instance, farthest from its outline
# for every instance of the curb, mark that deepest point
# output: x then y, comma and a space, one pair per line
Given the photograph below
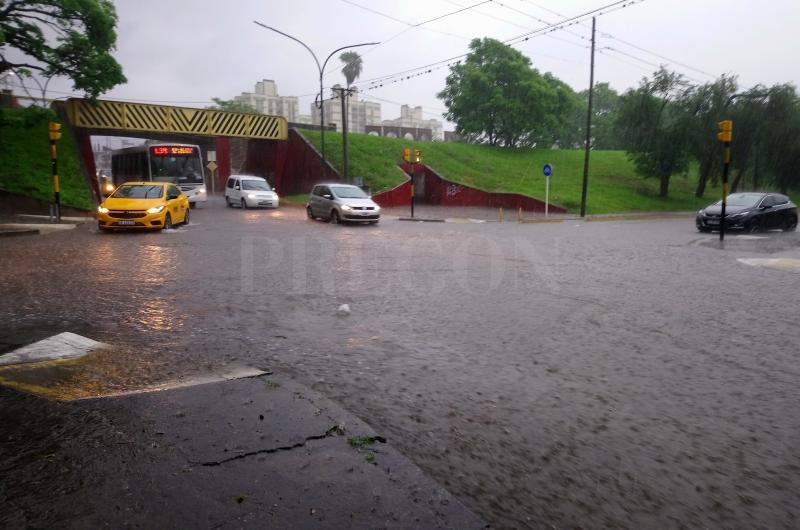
639, 217
5, 232
420, 220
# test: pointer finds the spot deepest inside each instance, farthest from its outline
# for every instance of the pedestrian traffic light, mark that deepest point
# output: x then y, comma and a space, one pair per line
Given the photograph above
407, 154
54, 128
725, 133
417, 156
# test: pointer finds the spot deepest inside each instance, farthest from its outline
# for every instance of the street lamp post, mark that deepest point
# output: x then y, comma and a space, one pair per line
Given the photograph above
321, 73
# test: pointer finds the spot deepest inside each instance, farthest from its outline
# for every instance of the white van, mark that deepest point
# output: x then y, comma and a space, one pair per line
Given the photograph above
247, 191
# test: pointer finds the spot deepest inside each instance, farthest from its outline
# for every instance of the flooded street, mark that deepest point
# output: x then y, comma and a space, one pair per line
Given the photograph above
580, 374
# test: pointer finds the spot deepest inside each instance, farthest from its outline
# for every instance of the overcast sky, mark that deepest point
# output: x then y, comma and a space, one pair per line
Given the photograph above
187, 51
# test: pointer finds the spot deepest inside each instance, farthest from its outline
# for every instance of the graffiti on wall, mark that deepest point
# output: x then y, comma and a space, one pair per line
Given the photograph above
453, 190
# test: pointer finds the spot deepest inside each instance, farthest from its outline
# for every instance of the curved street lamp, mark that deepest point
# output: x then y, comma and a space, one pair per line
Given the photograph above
321, 73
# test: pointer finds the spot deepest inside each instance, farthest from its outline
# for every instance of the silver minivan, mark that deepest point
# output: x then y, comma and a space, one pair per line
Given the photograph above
337, 202
250, 192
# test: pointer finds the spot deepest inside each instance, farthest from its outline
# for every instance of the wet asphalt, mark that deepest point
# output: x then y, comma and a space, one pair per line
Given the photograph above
583, 374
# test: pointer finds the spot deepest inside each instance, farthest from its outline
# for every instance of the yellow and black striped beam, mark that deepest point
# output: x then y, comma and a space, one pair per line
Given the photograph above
139, 117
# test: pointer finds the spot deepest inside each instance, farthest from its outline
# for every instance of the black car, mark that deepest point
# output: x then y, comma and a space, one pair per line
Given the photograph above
750, 212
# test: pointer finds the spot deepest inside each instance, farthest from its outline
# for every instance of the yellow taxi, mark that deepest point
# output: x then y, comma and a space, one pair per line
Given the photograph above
151, 205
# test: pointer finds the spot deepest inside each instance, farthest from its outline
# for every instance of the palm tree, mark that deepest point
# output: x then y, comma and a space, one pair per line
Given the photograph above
352, 66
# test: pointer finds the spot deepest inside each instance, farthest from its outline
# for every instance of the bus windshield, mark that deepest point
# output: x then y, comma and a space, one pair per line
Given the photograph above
176, 169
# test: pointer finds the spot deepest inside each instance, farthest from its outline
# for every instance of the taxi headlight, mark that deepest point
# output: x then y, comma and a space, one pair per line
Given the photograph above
377, 208
156, 209
102, 209
251, 195
347, 208
202, 189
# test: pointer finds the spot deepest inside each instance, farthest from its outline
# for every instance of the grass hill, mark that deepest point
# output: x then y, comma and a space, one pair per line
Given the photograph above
25, 158
614, 185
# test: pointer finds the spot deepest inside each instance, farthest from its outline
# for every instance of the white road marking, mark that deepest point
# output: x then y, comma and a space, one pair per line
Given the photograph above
62, 346
217, 377
781, 264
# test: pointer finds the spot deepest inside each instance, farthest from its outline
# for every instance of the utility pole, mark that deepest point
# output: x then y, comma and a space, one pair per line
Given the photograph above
588, 129
343, 94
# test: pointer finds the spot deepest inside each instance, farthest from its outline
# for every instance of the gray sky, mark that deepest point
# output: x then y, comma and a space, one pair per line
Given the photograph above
188, 51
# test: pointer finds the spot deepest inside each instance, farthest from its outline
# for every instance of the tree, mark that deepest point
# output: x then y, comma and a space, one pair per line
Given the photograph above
654, 122
231, 105
495, 97
707, 105
554, 126
747, 110
71, 38
778, 152
352, 66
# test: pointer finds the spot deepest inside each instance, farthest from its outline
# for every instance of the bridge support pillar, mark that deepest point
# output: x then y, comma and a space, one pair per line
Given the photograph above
223, 146
84, 141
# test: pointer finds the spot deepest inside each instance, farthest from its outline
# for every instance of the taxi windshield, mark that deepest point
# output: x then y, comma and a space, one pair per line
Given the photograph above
139, 191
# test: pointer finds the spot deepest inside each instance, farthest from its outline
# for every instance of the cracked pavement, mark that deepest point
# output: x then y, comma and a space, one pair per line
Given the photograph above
158, 460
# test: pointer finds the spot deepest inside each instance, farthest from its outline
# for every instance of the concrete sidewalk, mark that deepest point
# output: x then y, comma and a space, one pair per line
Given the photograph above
259, 452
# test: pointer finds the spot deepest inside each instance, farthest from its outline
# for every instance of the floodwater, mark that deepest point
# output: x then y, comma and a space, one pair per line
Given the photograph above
572, 375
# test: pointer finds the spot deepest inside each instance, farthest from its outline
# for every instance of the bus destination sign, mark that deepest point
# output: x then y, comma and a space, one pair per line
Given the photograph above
172, 150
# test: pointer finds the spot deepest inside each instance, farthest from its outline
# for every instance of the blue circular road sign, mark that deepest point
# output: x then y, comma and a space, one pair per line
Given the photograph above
547, 170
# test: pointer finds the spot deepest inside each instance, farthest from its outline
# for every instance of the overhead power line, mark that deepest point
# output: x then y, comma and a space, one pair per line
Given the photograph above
573, 20
409, 25
672, 61
467, 8
526, 28
428, 68
644, 61
628, 43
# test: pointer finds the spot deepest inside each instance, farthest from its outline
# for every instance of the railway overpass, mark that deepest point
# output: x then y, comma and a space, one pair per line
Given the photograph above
269, 147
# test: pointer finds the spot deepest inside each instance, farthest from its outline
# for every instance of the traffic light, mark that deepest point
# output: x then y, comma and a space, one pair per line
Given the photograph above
725, 133
54, 128
407, 154
417, 156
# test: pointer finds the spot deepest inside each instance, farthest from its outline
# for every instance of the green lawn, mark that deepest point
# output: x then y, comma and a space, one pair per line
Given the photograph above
301, 199
25, 158
614, 185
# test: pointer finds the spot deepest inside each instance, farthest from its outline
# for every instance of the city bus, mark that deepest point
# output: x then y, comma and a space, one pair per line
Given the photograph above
181, 164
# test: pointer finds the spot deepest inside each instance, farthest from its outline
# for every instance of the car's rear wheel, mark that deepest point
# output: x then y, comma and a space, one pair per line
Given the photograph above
309, 213
753, 226
168, 222
791, 224
244, 204
335, 217
186, 217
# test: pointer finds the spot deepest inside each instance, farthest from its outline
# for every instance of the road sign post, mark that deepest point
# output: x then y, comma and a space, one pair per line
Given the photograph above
547, 170
212, 166
54, 131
